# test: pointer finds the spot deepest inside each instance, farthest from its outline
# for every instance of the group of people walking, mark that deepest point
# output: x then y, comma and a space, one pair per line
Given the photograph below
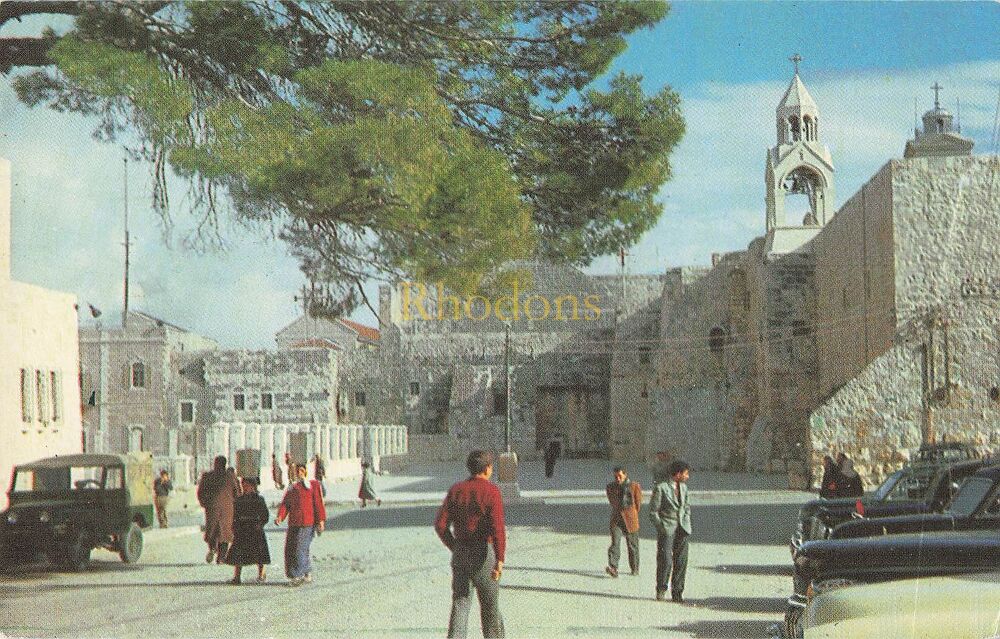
840, 479
236, 513
471, 524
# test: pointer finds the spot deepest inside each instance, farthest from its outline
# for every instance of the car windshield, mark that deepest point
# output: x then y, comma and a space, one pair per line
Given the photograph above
58, 479
890, 482
969, 496
943, 454
911, 485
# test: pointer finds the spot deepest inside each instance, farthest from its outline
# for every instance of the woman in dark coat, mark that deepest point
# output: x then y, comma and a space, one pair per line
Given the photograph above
249, 543
366, 491
831, 481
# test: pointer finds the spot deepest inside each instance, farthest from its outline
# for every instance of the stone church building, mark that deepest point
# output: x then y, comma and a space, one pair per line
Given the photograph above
869, 330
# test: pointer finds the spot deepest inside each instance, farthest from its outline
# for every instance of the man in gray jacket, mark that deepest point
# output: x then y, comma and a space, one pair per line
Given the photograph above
670, 512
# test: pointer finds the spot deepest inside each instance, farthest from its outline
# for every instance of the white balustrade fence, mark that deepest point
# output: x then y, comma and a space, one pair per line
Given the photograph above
342, 446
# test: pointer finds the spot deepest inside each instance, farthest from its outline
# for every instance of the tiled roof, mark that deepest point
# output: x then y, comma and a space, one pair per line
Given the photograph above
364, 332
315, 342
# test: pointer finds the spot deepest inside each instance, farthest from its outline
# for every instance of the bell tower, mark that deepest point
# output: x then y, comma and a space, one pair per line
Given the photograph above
799, 164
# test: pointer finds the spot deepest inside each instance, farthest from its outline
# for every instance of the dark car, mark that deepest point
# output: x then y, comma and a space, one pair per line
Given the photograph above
923, 487
824, 565
946, 452
975, 506
64, 507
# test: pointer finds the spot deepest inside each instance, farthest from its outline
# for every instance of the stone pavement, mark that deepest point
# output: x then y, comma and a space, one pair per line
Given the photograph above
381, 572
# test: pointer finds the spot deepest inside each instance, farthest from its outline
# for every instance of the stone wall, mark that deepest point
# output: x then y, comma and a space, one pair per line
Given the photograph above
302, 384
939, 380
39, 361
855, 284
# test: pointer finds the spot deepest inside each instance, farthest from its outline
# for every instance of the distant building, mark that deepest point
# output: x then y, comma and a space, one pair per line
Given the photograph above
141, 387
39, 359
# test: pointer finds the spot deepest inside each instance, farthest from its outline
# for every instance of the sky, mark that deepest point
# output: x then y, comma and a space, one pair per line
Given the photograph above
864, 63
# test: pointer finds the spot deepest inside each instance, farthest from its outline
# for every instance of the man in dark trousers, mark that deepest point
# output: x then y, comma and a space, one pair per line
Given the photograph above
161, 496
625, 497
670, 512
471, 524
551, 455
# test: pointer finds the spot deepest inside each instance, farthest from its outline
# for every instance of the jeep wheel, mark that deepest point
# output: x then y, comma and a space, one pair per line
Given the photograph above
130, 544
76, 553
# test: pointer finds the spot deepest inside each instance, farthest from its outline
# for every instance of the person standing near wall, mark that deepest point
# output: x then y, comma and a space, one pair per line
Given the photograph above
276, 475
319, 471
625, 497
303, 506
670, 512
471, 524
161, 496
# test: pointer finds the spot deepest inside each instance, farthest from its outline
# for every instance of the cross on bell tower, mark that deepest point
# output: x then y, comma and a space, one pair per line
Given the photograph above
795, 59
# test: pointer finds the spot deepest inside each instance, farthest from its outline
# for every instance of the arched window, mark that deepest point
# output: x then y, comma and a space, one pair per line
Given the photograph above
716, 339
137, 375
796, 128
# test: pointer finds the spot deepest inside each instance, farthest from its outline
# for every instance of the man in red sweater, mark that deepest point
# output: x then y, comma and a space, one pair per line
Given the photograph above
471, 524
303, 506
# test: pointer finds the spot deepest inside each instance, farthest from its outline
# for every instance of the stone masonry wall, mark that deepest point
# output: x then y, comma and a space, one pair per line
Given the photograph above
302, 382
940, 379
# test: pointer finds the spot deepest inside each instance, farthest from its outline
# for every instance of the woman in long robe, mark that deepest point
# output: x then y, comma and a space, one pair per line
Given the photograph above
366, 492
249, 543
217, 493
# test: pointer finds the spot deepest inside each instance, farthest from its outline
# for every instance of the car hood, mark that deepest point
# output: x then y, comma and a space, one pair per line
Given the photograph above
924, 608
841, 503
894, 525
905, 554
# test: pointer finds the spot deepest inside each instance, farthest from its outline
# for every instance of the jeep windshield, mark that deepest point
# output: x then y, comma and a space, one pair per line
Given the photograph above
69, 478
969, 496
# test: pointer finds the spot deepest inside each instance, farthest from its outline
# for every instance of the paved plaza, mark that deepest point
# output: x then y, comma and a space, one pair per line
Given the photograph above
381, 571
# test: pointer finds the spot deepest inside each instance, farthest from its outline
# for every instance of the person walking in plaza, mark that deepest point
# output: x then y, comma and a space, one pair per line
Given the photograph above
290, 468
625, 497
551, 455
471, 524
217, 493
249, 543
161, 496
276, 475
670, 512
366, 492
319, 471
303, 506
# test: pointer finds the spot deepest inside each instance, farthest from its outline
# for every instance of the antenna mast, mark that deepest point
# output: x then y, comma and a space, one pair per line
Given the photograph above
127, 244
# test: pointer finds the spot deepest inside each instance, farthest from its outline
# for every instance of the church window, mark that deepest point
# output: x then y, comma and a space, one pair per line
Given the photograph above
187, 412
137, 375
716, 339
267, 401
239, 401
27, 403
55, 394
360, 399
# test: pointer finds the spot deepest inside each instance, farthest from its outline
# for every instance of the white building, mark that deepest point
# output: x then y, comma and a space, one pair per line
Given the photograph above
39, 362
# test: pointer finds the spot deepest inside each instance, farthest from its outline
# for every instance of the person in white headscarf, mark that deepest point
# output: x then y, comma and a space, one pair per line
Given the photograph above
852, 485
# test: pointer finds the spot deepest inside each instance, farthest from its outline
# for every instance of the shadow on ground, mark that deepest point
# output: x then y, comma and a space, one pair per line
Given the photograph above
728, 629
760, 524
764, 570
